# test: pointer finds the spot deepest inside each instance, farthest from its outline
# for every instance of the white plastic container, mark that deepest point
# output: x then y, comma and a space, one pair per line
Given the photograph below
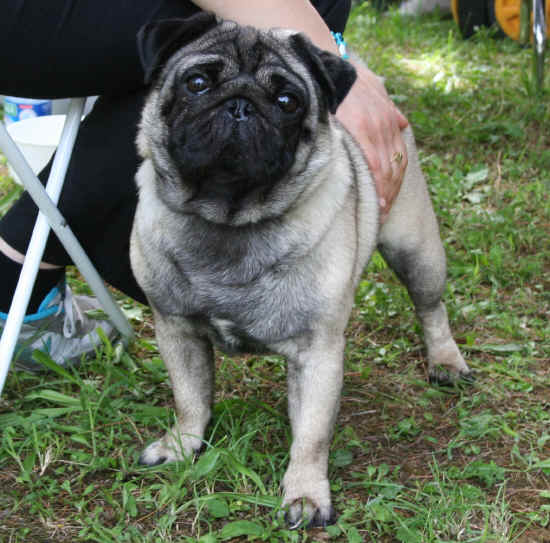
37, 138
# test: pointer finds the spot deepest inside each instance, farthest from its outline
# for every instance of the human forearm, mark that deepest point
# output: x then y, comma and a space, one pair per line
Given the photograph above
299, 15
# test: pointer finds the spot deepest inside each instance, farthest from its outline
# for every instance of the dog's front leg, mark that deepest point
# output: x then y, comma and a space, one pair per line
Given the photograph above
314, 385
190, 364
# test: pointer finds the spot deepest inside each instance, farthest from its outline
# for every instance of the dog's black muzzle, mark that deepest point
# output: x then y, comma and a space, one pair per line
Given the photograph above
239, 109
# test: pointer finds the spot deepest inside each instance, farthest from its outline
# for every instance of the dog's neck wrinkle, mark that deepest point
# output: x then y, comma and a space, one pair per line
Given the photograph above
239, 255
234, 255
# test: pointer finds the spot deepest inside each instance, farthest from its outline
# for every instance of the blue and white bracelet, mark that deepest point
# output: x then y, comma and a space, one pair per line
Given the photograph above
341, 44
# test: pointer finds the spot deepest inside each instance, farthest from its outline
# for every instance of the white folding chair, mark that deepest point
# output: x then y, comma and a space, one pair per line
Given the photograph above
49, 216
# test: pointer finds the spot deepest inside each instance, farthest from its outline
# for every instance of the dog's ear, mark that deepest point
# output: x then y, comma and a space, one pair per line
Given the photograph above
334, 75
158, 40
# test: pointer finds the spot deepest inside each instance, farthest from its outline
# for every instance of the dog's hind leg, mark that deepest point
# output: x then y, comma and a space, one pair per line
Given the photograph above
410, 243
190, 364
421, 267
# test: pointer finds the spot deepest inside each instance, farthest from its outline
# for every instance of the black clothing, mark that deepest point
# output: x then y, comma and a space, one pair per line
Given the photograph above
64, 48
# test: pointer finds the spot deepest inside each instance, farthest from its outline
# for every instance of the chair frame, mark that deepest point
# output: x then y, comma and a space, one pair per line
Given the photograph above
539, 39
49, 217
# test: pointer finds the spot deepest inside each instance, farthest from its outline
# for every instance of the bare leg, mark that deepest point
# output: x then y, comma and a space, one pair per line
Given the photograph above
18, 257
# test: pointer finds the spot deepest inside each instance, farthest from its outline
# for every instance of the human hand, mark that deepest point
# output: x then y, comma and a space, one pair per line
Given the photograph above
376, 124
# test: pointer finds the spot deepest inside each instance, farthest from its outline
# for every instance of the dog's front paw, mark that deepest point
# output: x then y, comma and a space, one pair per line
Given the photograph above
303, 513
445, 377
307, 501
447, 367
170, 448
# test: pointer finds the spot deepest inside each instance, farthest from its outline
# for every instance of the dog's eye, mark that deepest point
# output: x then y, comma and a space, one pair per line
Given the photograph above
288, 102
197, 84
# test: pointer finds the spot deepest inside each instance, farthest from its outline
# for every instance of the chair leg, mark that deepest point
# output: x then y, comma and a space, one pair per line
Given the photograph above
539, 43
49, 215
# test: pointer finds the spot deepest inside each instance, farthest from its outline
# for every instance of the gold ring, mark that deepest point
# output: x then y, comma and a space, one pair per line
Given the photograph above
397, 157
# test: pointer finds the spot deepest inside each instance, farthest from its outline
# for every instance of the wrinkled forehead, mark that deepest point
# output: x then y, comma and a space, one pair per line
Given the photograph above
233, 50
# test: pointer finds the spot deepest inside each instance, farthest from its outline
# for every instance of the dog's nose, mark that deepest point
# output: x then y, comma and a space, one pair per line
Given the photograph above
240, 109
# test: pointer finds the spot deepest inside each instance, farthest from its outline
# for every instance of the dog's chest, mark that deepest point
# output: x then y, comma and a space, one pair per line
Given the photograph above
276, 306
244, 296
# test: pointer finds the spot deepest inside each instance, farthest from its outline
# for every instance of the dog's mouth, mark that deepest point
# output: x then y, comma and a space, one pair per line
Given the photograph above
232, 150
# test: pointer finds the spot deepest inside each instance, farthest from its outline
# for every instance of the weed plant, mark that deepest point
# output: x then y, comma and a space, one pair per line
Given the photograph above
410, 462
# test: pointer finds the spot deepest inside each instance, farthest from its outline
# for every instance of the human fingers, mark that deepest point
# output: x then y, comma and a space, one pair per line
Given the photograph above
376, 124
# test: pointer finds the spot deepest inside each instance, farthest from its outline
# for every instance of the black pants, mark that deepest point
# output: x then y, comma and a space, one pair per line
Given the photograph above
66, 48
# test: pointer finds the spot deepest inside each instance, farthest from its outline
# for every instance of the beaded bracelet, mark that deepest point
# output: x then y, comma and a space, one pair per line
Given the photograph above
341, 44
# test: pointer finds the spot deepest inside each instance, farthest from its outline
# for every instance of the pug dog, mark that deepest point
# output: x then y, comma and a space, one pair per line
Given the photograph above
257, 215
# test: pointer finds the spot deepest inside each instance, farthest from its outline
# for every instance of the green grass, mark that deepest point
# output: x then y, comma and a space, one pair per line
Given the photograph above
410, 462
